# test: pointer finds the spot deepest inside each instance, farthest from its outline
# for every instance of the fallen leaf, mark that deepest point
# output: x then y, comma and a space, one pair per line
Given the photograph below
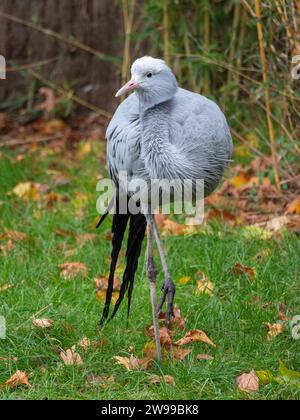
133, 363
176, 318
43, 323
86, 237
84, 343
173, 228
19, 378
288, 375
240, 269
274, 330
103, 381
70, 270
184, 280
102, 283
101, 296
22, 189
248, 382
262, 254
164, 334
70, 357
150, 350
180, 354
294, 206
7, 248
265, 376
14, 235
204, 357
194, 336
156, 380
205, 287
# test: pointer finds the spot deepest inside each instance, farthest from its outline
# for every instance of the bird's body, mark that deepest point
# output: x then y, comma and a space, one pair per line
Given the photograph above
186, 137
160, 132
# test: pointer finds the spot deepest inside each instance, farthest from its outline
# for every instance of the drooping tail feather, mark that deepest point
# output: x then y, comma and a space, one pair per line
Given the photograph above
118, 229
137, 229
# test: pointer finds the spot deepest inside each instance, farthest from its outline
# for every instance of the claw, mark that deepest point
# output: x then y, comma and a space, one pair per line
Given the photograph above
168, 290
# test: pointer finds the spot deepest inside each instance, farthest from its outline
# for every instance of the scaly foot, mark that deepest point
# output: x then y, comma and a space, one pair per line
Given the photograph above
168, 290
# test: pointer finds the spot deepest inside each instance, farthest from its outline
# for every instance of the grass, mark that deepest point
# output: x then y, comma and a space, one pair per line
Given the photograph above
230, 317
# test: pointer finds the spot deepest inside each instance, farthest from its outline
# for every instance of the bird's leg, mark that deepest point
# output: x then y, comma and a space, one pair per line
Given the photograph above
168, 287
152, 274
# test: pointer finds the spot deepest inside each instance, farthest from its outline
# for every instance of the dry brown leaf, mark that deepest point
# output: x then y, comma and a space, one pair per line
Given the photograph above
19, 378
164, 334
43, 323
204, 357
7, 248
274, 330
102, 381
248, 382
156, 380
176, 318
240, 269
294, 206
84, 343
194, 336
14, 235
102, 283
173, 228
133, 363
180, 354
86, 237
70, 357
50, 101
70, 270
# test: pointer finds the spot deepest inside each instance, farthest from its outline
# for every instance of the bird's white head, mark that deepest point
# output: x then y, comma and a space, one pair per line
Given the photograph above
152, 80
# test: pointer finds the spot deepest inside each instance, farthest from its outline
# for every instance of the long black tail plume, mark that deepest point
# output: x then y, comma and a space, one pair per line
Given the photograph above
137, 229
118, 229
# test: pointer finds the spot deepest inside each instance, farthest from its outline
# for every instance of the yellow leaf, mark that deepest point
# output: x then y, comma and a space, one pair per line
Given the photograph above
22, 189
294, 206
184, 280
205, 287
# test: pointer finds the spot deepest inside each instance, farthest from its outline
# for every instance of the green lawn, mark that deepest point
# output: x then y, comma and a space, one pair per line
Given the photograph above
231, 318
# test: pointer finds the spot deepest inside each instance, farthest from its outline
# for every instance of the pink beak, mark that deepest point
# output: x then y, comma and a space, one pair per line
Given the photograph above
131, 85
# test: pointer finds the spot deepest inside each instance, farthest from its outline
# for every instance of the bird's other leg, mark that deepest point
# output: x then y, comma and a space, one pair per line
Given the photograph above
152, 274
168, 287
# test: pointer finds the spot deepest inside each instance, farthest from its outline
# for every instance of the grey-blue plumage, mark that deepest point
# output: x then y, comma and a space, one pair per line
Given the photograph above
161, 132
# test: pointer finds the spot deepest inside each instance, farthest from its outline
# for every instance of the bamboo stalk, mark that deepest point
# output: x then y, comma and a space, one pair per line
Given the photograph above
166, 33
128, 16
206, 28
235, 25
190, 67
267, 91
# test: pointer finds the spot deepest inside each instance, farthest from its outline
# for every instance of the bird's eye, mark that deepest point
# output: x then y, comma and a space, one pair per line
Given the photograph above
149, 75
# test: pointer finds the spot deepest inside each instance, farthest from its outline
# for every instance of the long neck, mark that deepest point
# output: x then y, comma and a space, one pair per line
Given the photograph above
161, 158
